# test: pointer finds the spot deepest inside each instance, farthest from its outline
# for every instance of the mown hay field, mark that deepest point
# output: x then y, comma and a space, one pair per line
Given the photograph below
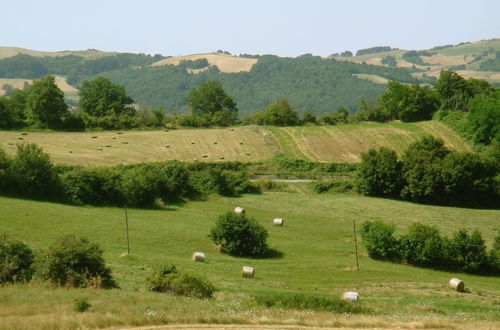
341, 143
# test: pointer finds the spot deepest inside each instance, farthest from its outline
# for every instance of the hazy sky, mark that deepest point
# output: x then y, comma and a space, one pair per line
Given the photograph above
282, 27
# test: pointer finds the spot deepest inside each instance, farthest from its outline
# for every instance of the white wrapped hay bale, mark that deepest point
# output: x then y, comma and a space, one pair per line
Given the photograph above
239, 210
350, 296
278, 222
247, 271
199, 256
457, 285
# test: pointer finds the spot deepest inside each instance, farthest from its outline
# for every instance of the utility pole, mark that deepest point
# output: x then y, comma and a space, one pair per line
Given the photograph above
355, 244
126, 225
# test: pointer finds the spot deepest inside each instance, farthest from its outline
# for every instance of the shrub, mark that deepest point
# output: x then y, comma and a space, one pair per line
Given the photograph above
169, 279
423, 245
239, 235
379, 240
74, 262
300, 301
338, 186
16, 260
379, 173
81, 305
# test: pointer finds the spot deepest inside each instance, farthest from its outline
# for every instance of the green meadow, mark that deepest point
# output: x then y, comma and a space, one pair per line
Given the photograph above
312, 254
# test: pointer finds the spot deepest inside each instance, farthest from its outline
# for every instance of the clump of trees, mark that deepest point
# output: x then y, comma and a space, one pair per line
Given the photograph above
70, 261
30, 173
428, 172
424, 246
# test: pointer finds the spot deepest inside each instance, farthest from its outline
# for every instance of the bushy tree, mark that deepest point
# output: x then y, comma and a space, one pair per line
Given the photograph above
483, 120
16, 259
239, 235
423, 245
74, 262
379, 173
453, 90
211, 101
32, 174
280, 113
45, 103
379, 240
468, 251
408, 102
422, 170
100, 97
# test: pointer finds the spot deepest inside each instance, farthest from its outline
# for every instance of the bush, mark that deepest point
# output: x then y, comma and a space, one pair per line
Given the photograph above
74, 262
81, 305
300, 301
423, 245
16, 260
338, 186
239, 235
169, 279
379, 240
379, 173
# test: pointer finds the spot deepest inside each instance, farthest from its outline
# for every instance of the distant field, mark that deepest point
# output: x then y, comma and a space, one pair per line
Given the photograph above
19, 84
341, 143
314, 255
225, 63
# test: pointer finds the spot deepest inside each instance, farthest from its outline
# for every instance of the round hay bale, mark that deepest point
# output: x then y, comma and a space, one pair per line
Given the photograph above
24, 133
457, 285
247, 271
124, 142
119, 133
198, 256
215, 142
20, 138
70, 152
192, 142
205, 156
221, 157
93, 137
278, 222
248, 154
241, 143
239, 210
350, 296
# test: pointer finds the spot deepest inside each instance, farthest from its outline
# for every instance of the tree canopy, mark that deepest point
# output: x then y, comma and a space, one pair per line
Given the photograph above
211, 102
100, 97
45, 103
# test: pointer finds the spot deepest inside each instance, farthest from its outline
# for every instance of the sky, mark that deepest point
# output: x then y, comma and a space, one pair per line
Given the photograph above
281, 27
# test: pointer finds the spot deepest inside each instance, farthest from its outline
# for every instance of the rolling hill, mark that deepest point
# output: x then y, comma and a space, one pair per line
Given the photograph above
341, 144
309, 82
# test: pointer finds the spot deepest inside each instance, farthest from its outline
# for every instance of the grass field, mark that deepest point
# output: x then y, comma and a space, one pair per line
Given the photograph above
314, 254
342, 143
225, 63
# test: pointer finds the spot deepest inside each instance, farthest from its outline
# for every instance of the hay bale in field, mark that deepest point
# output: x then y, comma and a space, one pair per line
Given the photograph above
215, 142
221, 157
20, 138
124, 142
350, 296
24, 133
248, 154
278, 222
247, 271
70, 152
119, 133
198, 256
100, 149
94, 137
457, 285
107, 146
205, 156
239, 210
192, 142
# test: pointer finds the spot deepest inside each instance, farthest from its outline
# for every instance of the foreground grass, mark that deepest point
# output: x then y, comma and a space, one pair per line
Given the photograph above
341, 143
313, 255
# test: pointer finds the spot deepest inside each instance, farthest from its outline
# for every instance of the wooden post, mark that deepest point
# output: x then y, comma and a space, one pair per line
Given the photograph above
355, 244
126, 225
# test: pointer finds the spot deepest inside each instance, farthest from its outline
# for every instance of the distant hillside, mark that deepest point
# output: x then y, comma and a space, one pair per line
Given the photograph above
309, 82
342, 143
480, 59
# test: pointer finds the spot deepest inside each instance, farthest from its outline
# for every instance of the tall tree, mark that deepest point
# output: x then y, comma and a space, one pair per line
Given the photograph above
45, 102
100, 97
211, 101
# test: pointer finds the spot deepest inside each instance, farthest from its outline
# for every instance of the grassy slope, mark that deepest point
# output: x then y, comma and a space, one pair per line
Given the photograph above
342, 143
316, 256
